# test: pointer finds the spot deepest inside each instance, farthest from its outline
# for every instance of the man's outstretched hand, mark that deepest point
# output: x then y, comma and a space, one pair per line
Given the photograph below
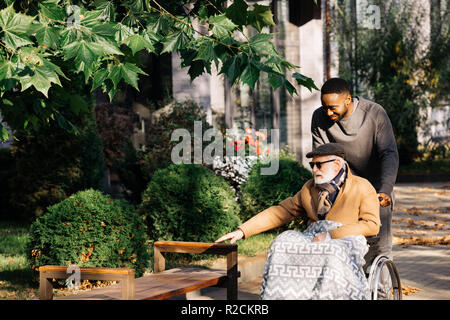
385, 200
233, 236
320, 237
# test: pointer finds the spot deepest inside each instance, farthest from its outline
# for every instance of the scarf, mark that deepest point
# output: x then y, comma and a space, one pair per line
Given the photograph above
328, 192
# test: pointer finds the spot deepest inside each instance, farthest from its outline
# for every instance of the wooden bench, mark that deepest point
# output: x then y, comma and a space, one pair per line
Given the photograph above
124, 276
162, 284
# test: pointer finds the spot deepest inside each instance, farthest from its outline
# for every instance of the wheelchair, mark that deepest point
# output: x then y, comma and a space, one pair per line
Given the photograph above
376, 267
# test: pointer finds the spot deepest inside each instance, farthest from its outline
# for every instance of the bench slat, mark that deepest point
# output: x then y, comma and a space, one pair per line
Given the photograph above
159, 286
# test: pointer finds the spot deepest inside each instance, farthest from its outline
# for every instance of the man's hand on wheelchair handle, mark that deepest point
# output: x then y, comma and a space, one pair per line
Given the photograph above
385, 200
234, 236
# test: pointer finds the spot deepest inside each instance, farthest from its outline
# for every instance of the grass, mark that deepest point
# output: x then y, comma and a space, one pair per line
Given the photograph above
16, 277
257, 244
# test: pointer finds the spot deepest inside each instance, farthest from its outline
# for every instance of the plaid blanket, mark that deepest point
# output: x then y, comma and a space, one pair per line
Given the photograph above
299, 269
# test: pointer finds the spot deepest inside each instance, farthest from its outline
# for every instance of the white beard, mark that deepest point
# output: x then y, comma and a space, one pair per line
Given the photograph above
326, 177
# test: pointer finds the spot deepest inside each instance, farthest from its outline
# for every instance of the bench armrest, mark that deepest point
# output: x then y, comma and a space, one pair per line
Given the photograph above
230, 250
195, 247
49, 272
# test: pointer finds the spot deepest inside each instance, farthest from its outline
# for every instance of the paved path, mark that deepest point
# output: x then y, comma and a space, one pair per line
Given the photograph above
421, 227
421, 224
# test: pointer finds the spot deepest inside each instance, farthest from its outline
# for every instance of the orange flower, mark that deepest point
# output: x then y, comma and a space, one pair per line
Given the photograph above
261, 135
250, 140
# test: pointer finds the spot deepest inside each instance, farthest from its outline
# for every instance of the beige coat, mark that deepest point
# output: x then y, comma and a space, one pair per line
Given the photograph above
356, 207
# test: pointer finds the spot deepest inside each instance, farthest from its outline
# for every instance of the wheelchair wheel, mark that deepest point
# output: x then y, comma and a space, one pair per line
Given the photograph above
376, 268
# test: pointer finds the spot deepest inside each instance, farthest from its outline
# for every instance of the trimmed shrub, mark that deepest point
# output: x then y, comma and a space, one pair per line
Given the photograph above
260, 192
187, 202
89, 229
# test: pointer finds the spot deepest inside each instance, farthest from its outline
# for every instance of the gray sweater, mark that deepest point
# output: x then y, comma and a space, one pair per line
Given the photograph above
368, 140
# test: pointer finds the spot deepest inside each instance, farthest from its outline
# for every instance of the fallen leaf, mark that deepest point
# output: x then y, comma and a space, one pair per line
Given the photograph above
408, 290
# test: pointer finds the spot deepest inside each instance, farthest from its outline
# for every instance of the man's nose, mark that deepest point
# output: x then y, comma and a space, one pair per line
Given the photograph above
329, 112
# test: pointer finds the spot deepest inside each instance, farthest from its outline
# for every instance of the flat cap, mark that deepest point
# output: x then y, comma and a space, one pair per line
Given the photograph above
327, 149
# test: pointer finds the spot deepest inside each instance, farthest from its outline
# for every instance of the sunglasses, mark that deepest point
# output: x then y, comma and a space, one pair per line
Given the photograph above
318, 163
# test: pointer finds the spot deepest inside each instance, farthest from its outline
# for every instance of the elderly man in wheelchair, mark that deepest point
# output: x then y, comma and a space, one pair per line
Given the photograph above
326, 261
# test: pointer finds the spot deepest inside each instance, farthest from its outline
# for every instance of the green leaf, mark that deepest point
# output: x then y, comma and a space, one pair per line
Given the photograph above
126, 71
83, 52
107, 9
12, 21
15, 27
122, 32
67, 36
84, 55
288, 65
276, 80
109, 47
237, 12
53, 67
8, 76
4, 134
260, 17
91, 18
196, 69
206, 50
290, 88
263, 66
51, 10
304, 81
176, 41
161, 25
203, 11
7, 70
40, 78
48, 36
232, 69
99, 77
134, 5
138, 42
105, 30
14, 41
109, 88
250, 75
221, 26
187, 55
261, 44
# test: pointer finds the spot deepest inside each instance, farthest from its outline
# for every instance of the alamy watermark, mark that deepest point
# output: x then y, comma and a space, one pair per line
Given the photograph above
267, 154
74, 280
368, 15
73, 21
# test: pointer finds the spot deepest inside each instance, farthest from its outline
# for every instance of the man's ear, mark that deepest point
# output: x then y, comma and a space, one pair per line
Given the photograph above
348, 99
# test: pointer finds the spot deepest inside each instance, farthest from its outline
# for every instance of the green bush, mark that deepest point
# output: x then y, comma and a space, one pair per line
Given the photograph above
7, 171
260, 192
187, 202
52, 164
89, 229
